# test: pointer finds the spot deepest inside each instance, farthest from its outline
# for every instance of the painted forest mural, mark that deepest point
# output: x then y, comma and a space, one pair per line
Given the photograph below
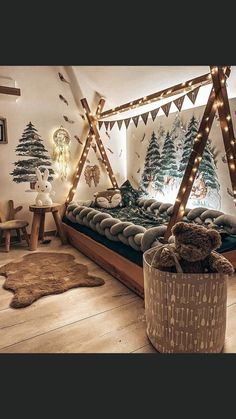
165, 162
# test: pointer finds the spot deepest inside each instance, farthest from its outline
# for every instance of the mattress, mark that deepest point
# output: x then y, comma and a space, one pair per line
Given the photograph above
125, 250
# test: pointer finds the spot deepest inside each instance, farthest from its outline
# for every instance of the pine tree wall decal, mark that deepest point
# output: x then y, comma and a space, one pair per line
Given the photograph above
208, 169
177, 134
151, 173
34, 155
168, 158
191, 133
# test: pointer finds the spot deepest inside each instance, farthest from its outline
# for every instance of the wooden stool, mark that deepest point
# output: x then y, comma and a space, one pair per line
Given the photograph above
10, 224
37, 230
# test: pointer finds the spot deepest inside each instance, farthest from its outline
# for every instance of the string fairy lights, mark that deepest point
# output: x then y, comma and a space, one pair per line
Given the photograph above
219, 102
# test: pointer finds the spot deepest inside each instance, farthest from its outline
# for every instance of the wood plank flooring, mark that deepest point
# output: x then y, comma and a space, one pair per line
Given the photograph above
106, 319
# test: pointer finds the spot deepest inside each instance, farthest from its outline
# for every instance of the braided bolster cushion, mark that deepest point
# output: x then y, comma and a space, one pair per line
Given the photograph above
138, 237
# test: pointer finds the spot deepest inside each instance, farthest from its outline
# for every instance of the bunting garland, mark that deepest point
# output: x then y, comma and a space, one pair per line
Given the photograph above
166, 108
127, 121
144, 117
107, 123
119, 123
135, 119
154, 113
179, 102
192, 95
112, 123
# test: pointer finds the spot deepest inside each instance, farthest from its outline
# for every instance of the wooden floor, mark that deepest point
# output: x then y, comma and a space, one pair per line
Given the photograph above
106, 319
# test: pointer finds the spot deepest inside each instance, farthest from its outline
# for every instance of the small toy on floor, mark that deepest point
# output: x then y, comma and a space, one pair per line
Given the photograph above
193, 249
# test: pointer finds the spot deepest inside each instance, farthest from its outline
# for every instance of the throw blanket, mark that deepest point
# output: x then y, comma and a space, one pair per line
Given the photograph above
144, 226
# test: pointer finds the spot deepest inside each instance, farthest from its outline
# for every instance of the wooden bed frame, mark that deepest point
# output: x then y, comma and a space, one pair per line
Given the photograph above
121, 268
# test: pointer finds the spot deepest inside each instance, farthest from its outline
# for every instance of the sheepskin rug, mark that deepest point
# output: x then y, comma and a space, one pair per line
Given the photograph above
39, 274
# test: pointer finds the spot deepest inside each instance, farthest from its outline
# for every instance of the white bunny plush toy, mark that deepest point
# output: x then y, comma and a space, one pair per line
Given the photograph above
43, 187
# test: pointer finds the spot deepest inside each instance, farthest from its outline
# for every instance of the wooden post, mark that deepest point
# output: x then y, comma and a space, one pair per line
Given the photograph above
162, 94
218, 99
219, 83
58, 223
35, 231
93, 125
83, 157
193, 164
7, 240
41, 227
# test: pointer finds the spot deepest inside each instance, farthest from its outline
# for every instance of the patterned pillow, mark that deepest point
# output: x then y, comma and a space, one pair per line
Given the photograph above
111, 198
129, 194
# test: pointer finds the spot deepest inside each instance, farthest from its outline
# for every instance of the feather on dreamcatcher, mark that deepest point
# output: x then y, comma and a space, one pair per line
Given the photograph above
92, 173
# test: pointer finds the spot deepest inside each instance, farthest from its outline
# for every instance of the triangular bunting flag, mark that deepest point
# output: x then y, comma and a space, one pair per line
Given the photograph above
193, 94
166, 108
100, 124
119, 123
112, 123
144, 117
179, 102
127, 121
154, 113
106, 124
135, 119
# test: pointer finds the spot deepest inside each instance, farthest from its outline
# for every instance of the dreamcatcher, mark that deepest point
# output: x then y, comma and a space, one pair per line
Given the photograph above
61, 151
92, 173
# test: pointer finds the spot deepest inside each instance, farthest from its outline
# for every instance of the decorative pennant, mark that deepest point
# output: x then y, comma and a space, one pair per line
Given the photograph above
179, 102
144, 117
127, 121
106, 124
119, 123
100, 124
112, 123
193, 94
154, 113
135, 119
166, 108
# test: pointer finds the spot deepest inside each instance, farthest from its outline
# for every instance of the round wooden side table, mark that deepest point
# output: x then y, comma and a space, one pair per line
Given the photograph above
37, 230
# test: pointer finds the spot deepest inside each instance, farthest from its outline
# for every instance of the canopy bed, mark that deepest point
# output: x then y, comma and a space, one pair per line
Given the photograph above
109, 237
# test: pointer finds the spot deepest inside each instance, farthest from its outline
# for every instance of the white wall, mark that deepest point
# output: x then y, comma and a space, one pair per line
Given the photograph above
40, 104
134, 144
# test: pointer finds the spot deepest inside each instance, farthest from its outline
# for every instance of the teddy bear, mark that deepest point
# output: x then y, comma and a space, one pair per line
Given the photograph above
193, 247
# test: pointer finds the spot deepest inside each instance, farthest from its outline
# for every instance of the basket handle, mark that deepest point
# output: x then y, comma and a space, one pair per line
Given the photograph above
170, 248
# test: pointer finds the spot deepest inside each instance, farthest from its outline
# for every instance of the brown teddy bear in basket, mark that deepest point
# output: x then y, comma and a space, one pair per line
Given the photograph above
193, 250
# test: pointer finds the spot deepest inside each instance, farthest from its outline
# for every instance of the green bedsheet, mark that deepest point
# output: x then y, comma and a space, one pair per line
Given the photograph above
136, 215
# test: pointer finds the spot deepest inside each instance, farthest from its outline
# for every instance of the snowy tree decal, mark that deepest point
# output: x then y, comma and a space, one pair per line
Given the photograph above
169, 168
191, 133
34, 155
178, 136
207, 178
152, 180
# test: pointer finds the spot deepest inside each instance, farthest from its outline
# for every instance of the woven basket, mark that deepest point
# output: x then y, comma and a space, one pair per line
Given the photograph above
184, 312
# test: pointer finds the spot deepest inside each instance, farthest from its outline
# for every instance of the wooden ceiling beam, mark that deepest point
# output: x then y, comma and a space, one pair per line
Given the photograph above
10, 91
162, 94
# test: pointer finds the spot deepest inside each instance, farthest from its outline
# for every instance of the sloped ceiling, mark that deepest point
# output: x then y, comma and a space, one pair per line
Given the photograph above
120, 84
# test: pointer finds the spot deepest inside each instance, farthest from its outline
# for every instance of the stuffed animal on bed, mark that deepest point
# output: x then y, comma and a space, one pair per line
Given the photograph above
194, 249
110, 198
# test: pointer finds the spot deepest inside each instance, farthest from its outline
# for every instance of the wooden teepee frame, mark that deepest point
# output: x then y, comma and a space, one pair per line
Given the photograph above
218, 100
